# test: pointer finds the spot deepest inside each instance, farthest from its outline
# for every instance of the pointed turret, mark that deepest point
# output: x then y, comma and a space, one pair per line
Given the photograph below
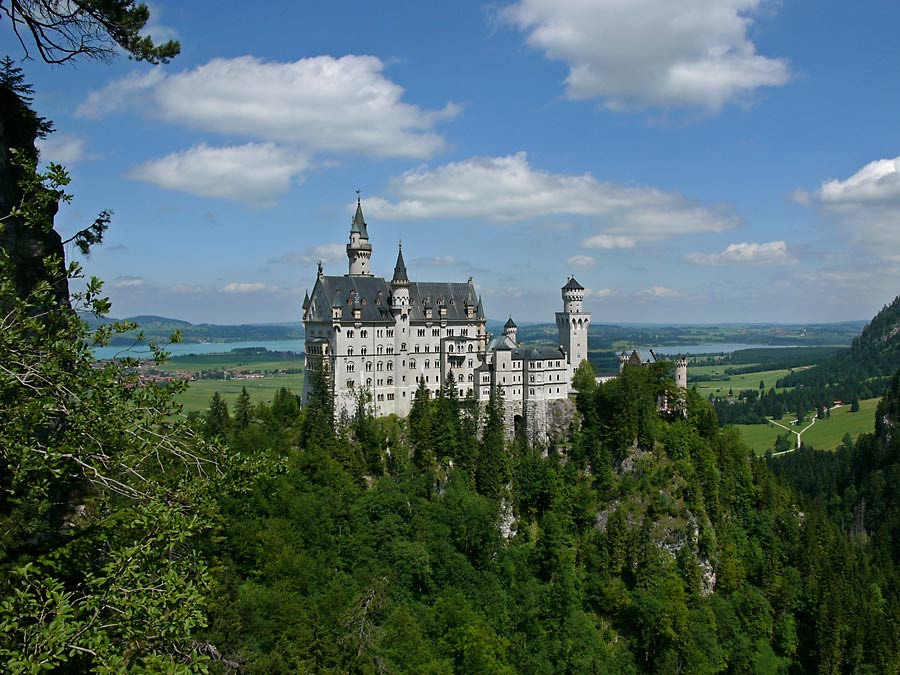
359, 250
510, 329
479, 313
400, 276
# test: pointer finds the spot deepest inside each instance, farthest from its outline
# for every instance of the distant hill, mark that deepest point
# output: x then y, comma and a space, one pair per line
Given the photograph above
874, 355
159, 328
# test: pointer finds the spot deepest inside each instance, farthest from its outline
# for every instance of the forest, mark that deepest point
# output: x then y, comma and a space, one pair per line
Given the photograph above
274, 539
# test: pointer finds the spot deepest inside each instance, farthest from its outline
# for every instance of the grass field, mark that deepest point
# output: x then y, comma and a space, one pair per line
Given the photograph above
193, 363
825, 434
261, 391
735, 382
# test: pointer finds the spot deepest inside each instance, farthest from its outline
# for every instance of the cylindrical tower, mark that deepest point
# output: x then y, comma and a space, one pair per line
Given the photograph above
510, 329
681, 372
359, 250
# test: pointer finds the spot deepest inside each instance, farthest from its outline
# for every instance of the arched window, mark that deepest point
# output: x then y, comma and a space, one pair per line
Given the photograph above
402, 346
379, 350
471, 348
349, 367
450, 348
350, 333
379, 366
470, 377
460, 379
427, 363
412, 363
390, 365
368, 381
390, 381
363, 333
364, 350
368, 366
349, 351
390, 349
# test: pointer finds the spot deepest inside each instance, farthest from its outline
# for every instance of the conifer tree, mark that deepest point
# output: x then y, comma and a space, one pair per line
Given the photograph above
420, 435
217, 422
493, 464
242, 411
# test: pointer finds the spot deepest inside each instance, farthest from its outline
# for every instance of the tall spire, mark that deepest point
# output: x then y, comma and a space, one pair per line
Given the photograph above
359, 223
400, 276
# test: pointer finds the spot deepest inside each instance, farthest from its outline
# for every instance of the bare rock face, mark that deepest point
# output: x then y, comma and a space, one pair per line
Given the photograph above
561, 415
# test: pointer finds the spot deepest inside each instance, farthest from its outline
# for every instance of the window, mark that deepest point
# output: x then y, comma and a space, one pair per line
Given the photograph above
470, 361
417, 348
435, 332
460, 378
470, 377
379, 349
350, 367
464, 331
402, 346
368, 366
471, 348
379, 333
369, 382
427, 349
379, 366
412, 363
450, 348
421, 332
364, 333
450, 332
350, 333
390, 365
380, 397
380, 383
390, 349
462, 392
427, 363
349, 384
349, 351
363, 350
390, 332
390, 381
390, 397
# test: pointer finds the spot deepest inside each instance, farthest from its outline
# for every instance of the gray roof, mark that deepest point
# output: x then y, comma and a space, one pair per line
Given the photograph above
572, 285
502, 343
510, 323
400, 275
538, 353
359, 223
372, 296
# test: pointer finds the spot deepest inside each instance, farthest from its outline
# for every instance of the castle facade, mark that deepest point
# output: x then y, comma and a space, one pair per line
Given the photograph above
386, 336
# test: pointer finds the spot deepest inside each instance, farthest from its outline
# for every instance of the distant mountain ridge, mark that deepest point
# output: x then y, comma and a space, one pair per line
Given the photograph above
160, 328
874, 354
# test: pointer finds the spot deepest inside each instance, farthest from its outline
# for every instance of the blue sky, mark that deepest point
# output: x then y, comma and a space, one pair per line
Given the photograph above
701, 161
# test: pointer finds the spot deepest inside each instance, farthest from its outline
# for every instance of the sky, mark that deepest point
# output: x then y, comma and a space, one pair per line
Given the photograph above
700, 161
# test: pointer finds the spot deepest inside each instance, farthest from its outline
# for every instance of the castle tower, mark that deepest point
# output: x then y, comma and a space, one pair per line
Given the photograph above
510, 329
359, 250
681, 372
573, 323
400, 285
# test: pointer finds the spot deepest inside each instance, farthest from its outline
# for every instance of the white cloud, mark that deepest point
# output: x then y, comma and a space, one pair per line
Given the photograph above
651, 52
256, 173
327, 253
658, 293
322, 103
247, 287
508, 189
868, 204
127, 282
745, 253
608, 241
600, 293
61, 148
581, 261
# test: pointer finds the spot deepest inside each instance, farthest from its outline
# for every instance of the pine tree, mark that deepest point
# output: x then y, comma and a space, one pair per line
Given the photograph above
492, 473
419, 422
242, 411
217, 422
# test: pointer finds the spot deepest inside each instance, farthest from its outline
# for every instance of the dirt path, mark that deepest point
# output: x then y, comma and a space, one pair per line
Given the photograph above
798, 434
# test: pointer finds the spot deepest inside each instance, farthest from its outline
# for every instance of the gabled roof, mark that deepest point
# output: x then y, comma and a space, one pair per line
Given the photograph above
572, 285
510, 323
359, 223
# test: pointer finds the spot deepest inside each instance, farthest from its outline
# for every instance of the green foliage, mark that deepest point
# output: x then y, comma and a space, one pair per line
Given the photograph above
90, 28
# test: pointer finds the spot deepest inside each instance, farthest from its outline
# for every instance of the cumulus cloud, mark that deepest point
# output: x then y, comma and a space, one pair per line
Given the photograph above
256, 173
327, 253
61, 148
608, 241
127, 282
247, 287
581, 261
600, 293
651, 52
322, 103
658, 293
868, 204
508, 189
745, 253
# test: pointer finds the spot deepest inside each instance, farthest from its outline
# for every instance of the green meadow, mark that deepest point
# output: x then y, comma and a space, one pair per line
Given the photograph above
261, 391
734, 382
825, 434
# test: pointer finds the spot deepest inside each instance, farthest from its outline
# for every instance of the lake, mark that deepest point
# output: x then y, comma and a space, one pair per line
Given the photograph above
179, 349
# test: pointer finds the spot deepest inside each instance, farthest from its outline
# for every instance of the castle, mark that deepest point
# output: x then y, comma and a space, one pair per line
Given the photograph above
385, 337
